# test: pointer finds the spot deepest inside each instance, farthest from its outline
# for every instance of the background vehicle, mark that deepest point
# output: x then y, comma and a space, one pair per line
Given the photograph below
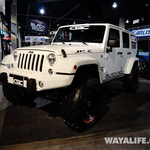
143, 54
142, 33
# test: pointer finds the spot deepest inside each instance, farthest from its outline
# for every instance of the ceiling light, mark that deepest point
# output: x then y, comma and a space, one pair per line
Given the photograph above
89, 16
114, 5
127, 21
42, 11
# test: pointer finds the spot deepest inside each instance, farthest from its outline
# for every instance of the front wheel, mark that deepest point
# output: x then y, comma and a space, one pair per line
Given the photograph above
82, 108
18, 96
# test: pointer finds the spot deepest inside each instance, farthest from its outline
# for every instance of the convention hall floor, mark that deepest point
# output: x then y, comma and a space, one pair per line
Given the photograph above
41, 127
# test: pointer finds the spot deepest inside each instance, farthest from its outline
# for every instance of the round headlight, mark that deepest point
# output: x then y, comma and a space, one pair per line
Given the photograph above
15, 55
52, 59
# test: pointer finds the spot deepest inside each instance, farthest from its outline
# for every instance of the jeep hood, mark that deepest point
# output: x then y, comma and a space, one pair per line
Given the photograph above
69, 49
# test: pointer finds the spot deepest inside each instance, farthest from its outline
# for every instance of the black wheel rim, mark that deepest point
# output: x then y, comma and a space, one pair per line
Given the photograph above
89, 105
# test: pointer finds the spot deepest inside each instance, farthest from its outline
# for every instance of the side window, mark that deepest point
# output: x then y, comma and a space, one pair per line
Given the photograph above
133, 42
125, 40
114, 38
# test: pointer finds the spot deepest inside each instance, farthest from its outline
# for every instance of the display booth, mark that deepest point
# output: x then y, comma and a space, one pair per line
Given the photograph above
36, 40
143, 39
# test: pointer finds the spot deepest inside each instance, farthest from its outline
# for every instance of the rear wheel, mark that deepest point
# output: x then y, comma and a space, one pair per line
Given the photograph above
142, 64
18, 96
130, 82
82, 108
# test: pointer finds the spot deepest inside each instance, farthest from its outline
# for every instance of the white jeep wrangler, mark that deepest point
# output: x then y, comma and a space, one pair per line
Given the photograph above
79, 60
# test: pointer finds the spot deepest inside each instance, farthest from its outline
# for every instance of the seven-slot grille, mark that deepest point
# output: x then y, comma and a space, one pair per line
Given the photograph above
33, 62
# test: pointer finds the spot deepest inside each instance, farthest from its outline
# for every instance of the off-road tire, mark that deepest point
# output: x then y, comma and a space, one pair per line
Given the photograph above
82, 108
143, 64
17, 96
130, 82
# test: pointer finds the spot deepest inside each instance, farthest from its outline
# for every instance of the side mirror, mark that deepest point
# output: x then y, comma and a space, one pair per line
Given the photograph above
112, 43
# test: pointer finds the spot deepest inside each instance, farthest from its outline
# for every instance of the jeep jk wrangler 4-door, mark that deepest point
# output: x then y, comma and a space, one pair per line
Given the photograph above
79, 60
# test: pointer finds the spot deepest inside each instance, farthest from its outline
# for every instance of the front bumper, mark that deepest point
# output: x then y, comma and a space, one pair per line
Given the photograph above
33, 83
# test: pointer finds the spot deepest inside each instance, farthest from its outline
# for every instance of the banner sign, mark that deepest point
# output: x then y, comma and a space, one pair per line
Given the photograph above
144, 54
136, 21
34, 39
42, 39
27, 39
36, 26
142, 33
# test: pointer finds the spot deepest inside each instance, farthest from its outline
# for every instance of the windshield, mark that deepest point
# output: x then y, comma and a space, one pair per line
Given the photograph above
85, 33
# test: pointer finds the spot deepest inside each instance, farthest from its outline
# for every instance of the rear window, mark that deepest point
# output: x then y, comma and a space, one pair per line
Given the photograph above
133, 42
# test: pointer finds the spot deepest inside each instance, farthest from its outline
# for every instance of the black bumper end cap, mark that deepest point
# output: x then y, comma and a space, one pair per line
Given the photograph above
3, 78
31, 85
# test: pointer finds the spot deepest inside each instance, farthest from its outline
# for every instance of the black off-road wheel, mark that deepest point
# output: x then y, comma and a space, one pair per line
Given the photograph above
82, 108
18, 96
130, 82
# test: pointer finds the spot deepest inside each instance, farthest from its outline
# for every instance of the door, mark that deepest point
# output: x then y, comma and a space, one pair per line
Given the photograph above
127, 51
113, 57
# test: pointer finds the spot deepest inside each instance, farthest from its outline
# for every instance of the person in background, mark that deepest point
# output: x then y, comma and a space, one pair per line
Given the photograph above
4, 48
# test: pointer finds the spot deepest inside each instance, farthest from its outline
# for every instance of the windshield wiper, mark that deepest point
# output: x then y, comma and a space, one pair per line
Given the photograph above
84, 43
63, 42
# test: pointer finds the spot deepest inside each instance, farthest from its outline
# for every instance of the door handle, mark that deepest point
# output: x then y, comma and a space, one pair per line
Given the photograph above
120, 53
129, 53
